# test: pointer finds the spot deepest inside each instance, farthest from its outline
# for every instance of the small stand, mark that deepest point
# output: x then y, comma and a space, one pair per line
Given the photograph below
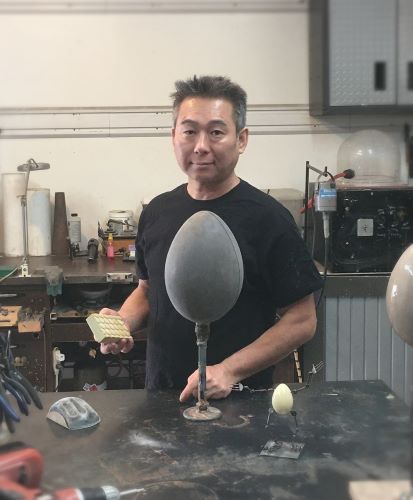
283, 449
24, 268
202, 411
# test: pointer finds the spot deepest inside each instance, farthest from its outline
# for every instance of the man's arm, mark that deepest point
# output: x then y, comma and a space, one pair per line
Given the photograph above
296, 326
134, 312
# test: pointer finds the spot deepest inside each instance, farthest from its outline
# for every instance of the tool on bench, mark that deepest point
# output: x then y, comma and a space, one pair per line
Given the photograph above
21, 470
16, 384
239, 387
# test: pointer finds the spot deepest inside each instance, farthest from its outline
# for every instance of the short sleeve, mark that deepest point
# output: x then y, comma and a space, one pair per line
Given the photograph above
291, 273
141, 269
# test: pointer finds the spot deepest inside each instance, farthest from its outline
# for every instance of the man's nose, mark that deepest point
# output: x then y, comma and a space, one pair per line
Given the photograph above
202, 143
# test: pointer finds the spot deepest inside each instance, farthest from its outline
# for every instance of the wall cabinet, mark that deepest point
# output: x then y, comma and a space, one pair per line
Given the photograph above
361, 56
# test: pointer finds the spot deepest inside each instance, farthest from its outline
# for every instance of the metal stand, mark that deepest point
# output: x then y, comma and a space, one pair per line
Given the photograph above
324, 173
202, 411
27, 168
24, 268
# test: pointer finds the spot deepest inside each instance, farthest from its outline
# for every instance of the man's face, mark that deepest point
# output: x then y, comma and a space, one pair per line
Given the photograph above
205, 141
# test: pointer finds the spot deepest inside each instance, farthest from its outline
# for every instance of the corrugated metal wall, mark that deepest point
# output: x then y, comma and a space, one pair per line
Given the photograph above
361, 345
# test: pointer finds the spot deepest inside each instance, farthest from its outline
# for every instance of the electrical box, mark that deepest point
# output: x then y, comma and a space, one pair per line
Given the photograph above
369, 231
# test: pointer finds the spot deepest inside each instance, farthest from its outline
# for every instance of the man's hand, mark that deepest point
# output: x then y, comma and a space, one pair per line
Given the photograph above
123, 345
218, 383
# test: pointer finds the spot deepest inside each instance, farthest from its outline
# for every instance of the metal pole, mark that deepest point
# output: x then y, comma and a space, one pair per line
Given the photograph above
202, 335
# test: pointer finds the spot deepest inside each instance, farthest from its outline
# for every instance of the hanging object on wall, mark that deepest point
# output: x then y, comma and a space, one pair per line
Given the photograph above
13, 187
39, 221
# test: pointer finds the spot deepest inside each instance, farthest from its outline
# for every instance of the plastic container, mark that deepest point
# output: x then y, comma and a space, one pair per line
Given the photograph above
121, 221
110, 250
74, 226
373, 155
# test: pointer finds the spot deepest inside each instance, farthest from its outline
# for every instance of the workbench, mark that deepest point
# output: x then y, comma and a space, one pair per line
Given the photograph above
354, 337
65, 314
352, 431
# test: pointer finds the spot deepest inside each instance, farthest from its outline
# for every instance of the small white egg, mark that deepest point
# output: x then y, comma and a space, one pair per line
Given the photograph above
282, 399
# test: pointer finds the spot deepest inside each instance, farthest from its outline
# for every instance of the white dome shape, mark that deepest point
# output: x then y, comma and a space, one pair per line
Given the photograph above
373, 155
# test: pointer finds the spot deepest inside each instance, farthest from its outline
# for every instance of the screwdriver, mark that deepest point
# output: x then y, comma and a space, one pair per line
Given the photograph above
101, 493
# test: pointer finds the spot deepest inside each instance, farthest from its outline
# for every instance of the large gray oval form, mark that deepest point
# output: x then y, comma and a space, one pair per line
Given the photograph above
203, 269
399, 296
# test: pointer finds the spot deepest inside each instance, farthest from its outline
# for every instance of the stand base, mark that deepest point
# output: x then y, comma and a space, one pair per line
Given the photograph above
194, 413
24, 270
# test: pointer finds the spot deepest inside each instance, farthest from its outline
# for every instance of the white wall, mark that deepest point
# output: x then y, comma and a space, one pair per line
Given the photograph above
133, 60
121, 65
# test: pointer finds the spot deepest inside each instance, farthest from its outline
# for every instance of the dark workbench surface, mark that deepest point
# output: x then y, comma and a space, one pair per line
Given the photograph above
79, 271
76, 271
351, 431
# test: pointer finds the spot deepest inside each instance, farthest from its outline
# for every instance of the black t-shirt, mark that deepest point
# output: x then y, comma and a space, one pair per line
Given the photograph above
278, 271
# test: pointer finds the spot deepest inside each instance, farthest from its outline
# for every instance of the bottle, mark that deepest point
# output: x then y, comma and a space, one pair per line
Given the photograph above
74, 227
110, 250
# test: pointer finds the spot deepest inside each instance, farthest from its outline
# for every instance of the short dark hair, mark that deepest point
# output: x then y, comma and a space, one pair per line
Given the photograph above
219, 87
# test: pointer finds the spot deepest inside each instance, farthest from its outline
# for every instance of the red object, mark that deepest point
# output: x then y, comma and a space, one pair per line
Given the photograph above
20, 471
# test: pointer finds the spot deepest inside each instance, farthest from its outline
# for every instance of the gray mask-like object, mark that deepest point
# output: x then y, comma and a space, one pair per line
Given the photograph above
203, 269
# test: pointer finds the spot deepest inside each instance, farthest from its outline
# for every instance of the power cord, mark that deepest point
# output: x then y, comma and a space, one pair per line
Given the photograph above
11, 272
325, 201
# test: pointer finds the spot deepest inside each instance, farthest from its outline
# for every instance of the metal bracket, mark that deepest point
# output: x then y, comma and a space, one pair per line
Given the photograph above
119, 277
24, 270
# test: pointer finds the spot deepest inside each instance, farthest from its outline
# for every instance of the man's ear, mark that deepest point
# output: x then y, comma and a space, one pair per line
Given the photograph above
243, 140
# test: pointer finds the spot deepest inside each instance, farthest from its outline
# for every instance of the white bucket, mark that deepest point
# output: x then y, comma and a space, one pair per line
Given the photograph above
39, 221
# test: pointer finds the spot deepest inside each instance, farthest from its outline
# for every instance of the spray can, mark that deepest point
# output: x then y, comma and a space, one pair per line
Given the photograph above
110, 250
74, 227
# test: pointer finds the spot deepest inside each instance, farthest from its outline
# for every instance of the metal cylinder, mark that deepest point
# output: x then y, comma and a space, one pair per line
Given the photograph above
60, 242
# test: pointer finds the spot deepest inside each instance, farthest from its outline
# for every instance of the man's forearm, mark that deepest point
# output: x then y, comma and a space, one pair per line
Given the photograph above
296, 327
135, 309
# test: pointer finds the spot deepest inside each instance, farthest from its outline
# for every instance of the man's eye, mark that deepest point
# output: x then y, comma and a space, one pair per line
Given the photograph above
217, 132
189, 132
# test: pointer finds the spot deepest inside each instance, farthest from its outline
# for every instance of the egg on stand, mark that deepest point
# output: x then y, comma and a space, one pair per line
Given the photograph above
204, 274
282, 403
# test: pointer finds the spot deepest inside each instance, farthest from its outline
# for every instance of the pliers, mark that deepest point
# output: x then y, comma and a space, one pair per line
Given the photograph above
16, 384
11, 375
21, 402
7, 411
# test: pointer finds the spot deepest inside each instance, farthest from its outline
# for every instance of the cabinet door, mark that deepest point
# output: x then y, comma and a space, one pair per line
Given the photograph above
362, 52
405, 74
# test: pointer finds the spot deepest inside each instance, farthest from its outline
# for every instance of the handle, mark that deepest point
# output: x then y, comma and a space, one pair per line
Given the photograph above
409, 75
380, 75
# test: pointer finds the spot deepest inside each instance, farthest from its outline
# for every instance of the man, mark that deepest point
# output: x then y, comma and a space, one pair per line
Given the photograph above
208, 136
